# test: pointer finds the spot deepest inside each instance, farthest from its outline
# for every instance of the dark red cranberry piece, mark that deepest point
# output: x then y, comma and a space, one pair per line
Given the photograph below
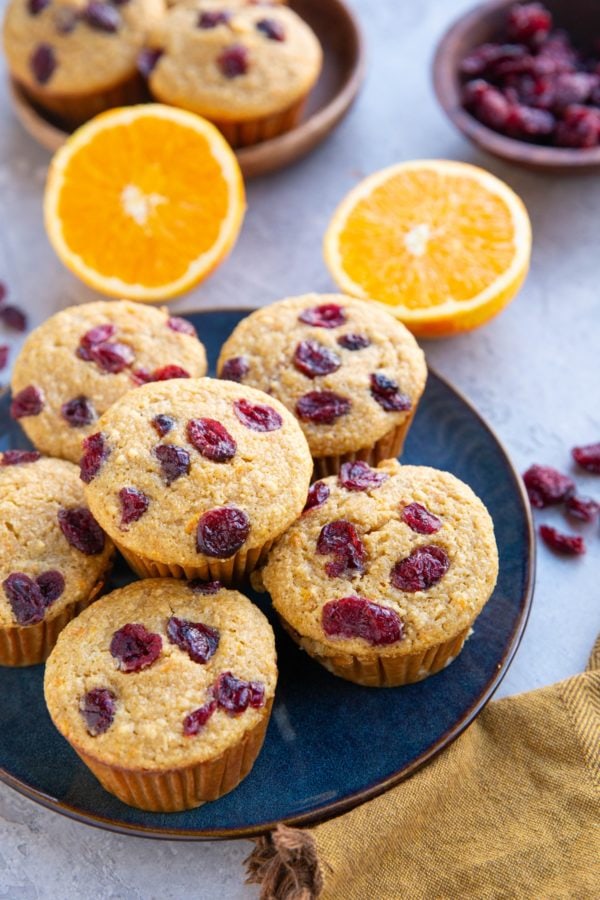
102, 16
327, 315
135, 648
211, 439
322, 407
354, 341
342, 541
272, 29
588, 457
28, 402
484, 60
573, 87
3, 292
174, 461
420, 519
111, 356
42, 63
14, 318
546, 486
199, 641
313, 359
584, 508
233, 61
81, 530
78, 412
168, 372
569, 544
421, 570
387, 393
358, 476
25, 598
204, 587
17, 457
235, 369
4, 351
212, 18
147, 59
524, 122
196, 720
529, 23
98, 335
141, 376
222, 531
134, 504
579, 128
98, 708
95, 452
176, 323
318, 493
51, 584
257, 416
355, 617
162, 424
34, 7
234, 695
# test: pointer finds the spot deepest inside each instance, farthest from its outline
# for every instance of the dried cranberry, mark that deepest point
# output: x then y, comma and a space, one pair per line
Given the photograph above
421, 570
147, 59
233, 61
529, 23
358, 476
4, 351
65, 19
234, 695
141, 376
95, 452
579, 128
42, 63
212, 18
546, 486
28, 402
354, 341
196, 720
272, 29
111, 356
211, 439
3, 292
573, 87
556, 55
168, 372
341, 539
483, 60
81, 530
78, 412
313, 359
25, 598
97, 335
13, 317
134, 504
98, 708
222, 531
327, 315
34, 7
235, 369
51, 584
588, 457
102, 16
322, 407
135, 648
318, 493
584, 508
174, 461
17, 457
199, 641
204, 587
420, 519
387, 393
162, 424
569, 544
257, 416
176, 323
356, 617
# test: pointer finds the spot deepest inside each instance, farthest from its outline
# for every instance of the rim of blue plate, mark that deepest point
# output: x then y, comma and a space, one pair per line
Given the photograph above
337, 807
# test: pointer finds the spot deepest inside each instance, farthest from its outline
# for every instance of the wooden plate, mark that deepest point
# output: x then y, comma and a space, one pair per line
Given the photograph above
338, 85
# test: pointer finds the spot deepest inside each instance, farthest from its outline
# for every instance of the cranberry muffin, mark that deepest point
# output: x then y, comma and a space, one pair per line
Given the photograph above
351, 373
54, 557
382, 577
196, 478
164, 689
79, 361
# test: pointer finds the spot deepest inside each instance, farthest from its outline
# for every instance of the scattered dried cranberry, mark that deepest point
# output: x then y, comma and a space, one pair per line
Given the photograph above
204, 587
111, 356
486, 59
235, 695
222, 531
584, 508
98, 708
135, 648
235, 369
42, 63
313, 359
318, 493
95, 452
322, 407
272, 29
420, 519
354, 341
51, 584
17, 457
355, 617
147, 59
34, 7
81, 530
529, 23
176, 323
28, 402
102, 16
4, 351
327, 315
141, 376
134, 504
233, 61
174, 461
546, 486
568, 544
199, 641
211, 439
572, 88
168, 372
25, 598
341, 539
196, 720
97, 335
588, 457
212, 18
359, 476
78, 412
579, 128
13, 317
162, 424
387, 393
421, 570
257, 416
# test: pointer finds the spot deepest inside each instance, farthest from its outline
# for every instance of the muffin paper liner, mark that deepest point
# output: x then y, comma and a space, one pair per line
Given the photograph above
74, 110
388, 447
173, 790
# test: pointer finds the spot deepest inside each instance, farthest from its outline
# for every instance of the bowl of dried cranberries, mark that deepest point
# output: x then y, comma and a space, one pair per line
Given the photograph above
522, 81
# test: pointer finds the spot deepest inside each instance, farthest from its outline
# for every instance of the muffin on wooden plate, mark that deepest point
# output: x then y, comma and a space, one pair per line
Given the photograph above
164, 688
54, 557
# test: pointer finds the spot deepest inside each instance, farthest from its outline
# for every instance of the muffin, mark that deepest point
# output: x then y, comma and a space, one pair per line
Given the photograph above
164, 689
79, 361
76, 59
351, 373
54, 558
383, 576
196, 478
248, 68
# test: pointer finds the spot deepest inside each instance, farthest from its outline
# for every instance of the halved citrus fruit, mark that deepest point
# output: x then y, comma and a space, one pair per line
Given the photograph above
444, 245
144, 201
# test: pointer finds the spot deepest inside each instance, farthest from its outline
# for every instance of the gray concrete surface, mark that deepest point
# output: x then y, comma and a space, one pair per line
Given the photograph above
533, 373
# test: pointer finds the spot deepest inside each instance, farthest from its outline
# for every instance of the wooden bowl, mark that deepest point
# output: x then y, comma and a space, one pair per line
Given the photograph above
338, 85
580, 18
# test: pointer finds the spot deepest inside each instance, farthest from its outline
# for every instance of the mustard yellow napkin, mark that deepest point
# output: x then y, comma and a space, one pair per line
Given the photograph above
510, 810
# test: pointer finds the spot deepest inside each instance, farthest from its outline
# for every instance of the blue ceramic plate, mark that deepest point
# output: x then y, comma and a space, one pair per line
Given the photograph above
330, 744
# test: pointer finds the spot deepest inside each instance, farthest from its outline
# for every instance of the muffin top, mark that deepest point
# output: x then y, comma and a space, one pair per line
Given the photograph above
159, 674
349, 371
184, 471
238, 62
79, 361
52, 551
390, 560
73, 47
